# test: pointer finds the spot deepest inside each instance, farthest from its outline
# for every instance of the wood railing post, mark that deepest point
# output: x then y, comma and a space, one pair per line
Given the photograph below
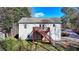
33, 36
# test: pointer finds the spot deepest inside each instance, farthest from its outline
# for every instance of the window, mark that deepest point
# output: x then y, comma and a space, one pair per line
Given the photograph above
25, 25
43, 26
40, 25
53, 25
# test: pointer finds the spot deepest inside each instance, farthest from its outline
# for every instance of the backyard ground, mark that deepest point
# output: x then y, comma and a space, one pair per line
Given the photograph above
66, 44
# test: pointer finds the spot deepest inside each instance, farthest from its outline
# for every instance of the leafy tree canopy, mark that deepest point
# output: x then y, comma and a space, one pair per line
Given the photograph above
10, 15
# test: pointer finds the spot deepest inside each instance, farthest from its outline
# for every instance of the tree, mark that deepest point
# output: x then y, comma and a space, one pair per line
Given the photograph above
11, 15
71, 17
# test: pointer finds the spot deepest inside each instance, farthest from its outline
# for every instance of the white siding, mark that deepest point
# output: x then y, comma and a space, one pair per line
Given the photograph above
52, 31
23, 32
55, 31
58, 32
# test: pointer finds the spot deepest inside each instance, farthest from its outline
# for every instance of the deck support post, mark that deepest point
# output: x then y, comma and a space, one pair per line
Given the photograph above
33, 36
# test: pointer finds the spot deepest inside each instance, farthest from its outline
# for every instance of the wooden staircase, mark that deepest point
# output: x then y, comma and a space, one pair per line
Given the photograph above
47, 37
43, 32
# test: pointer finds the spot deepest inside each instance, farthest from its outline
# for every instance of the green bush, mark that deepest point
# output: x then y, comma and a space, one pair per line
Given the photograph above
10, 44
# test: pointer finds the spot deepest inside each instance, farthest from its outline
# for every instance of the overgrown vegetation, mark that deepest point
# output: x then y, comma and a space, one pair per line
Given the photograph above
12, 44
71, 17
11, 15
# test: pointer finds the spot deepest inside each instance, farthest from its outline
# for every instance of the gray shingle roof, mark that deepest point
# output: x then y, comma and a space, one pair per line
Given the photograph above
39, 20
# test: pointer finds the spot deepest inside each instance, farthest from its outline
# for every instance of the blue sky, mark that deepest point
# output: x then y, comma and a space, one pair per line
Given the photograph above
47, 12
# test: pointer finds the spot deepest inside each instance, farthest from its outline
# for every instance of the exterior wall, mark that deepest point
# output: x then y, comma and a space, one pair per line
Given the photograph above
55, 31
23, 32
58, 32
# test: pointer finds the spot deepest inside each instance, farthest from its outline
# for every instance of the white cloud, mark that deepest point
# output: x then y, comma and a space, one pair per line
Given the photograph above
40, 14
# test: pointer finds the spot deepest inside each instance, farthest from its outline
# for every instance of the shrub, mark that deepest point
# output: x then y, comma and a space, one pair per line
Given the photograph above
10, 44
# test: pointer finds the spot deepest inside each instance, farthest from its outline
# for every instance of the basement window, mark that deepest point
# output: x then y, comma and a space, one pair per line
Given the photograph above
25, 25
